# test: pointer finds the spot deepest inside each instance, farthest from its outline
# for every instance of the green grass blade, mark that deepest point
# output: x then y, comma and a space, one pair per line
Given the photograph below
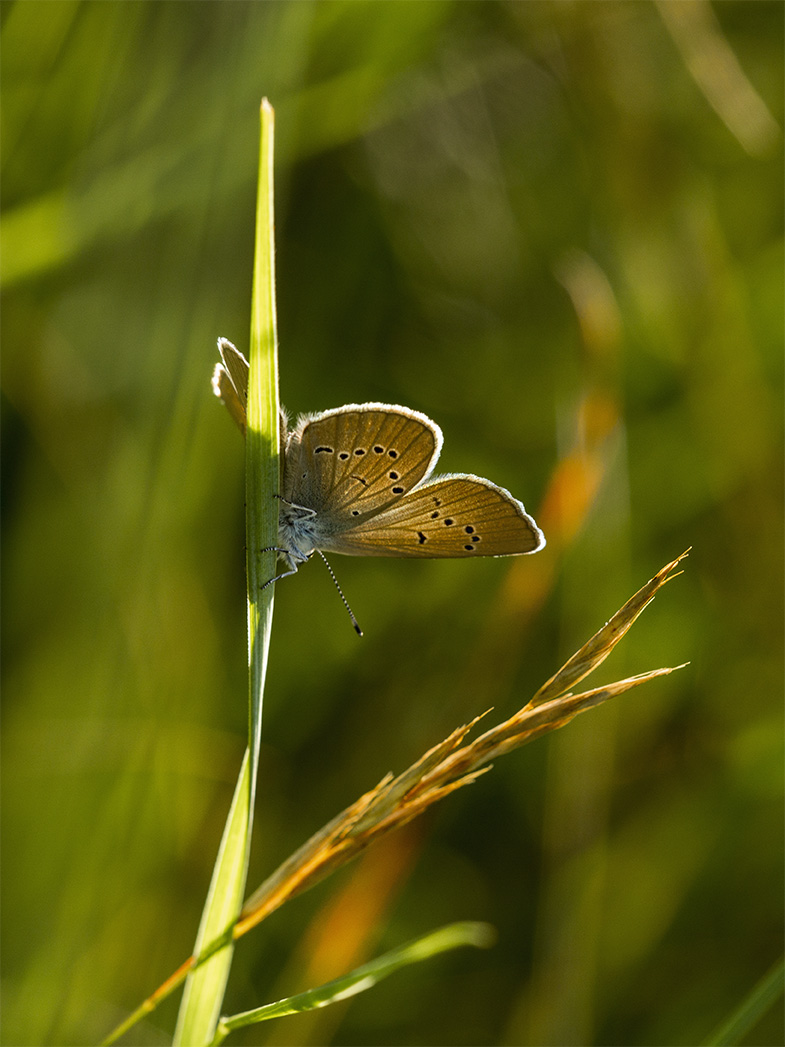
480, 935
745, 1017
262, 433
205, 986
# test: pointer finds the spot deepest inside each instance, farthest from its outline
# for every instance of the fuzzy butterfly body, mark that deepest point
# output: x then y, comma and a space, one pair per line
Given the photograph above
357, 480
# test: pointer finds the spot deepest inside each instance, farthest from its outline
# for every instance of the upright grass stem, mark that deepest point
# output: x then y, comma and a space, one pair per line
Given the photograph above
205, 986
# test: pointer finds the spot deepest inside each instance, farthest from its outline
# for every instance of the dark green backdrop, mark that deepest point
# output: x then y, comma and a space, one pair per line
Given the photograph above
556, 228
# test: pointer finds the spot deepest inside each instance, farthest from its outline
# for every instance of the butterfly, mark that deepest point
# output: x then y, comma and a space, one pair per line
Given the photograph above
357, 480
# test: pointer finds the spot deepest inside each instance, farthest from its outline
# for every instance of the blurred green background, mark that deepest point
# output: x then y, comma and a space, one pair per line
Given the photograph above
556, 228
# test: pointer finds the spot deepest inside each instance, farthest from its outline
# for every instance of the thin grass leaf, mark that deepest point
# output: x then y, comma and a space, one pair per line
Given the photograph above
745, 1018
455, 935
205, 985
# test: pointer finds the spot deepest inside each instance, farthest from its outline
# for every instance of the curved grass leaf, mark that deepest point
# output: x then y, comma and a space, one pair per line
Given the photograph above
480, 935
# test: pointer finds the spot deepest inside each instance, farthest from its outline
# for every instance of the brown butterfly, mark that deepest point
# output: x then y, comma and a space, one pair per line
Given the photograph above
357, 480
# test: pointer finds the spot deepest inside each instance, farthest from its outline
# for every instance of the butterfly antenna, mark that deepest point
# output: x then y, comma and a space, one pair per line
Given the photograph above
355, 623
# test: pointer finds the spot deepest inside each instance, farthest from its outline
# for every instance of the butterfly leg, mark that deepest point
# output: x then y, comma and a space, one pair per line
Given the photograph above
291, 563
277, 578
301, 509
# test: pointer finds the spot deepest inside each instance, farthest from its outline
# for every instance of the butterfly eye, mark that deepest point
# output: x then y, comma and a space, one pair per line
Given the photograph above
392, 454
378, 450
359, 451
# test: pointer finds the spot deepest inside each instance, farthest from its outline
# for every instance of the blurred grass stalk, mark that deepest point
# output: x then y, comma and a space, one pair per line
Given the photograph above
205, 986
747, 1015
397, 800
450, 764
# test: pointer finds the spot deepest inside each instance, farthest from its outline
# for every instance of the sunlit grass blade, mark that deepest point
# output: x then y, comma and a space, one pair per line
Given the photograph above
204, 988
205, 985
480, 935
744, 1018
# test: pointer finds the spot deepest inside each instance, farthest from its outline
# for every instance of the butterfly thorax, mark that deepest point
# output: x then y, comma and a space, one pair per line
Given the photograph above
297, 530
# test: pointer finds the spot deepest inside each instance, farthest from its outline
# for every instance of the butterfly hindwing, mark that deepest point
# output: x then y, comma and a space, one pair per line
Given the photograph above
452, 516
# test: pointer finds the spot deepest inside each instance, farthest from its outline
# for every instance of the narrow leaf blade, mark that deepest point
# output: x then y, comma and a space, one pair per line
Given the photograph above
480, 935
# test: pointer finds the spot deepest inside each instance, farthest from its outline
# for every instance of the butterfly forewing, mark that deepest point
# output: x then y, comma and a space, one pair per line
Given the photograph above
236, 366
455, 516
354, 462
230, 381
